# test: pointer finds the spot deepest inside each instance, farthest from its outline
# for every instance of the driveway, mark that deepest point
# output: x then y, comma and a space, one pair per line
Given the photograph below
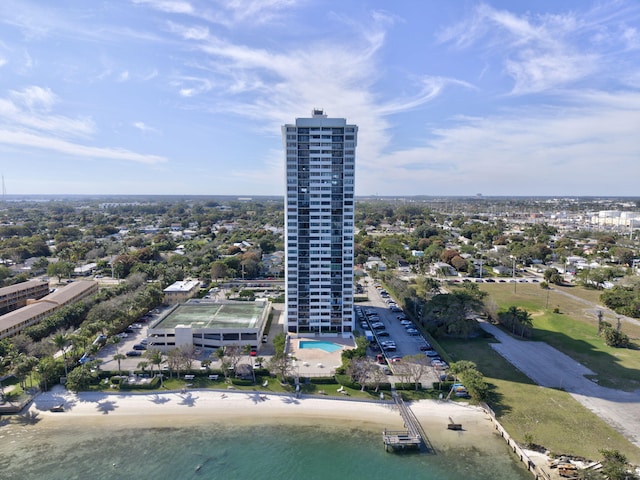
551, 368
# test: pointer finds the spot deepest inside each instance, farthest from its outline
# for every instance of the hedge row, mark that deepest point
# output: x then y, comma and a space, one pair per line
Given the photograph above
152, 385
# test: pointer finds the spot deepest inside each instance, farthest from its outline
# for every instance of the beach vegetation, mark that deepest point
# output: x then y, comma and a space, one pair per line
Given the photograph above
82, 377
151, 385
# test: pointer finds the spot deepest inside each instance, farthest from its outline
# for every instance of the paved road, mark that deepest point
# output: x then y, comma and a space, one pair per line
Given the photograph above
551, 368
592, 309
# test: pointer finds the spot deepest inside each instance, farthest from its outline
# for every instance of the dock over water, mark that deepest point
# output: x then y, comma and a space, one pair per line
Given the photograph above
413, 437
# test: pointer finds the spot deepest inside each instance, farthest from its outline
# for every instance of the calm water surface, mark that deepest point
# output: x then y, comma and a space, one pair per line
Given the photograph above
223, 452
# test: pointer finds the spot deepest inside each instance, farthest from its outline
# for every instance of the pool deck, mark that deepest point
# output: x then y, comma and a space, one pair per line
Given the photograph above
315, 361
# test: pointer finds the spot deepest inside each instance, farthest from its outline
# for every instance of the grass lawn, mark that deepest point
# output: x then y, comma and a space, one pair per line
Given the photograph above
552, 417
574, 330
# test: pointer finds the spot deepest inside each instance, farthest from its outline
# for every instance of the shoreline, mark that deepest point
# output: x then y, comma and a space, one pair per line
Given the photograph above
244, 408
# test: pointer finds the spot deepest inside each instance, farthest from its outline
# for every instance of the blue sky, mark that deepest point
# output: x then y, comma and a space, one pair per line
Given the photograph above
451, 97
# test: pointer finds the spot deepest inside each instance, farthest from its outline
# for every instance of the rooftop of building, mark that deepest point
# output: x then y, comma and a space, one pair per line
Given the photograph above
214, 315
22, 286
182, 286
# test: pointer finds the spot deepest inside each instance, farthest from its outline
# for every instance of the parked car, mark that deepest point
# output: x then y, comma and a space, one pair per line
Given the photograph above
139, 346
134, 353
383, 333
265, 338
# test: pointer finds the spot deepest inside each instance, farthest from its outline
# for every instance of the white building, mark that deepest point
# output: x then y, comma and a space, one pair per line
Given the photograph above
320, 167
181, 291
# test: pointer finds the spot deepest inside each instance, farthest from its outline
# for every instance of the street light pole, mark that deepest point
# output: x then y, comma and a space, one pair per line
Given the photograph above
513, 273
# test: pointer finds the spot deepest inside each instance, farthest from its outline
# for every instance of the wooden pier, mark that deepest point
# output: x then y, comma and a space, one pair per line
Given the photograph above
400, 440
413, 437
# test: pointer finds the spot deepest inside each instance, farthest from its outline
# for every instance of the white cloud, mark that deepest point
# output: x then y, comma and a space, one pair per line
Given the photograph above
30, 140
539, 52
143, 127
123, 76
34, 97
588, 145
169, 6
26, 121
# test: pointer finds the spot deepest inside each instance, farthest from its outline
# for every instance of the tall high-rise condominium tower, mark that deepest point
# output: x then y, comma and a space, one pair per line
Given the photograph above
319, 206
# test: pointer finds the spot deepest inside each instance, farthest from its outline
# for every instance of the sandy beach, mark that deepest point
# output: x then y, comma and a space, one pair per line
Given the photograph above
241, 407
132, 418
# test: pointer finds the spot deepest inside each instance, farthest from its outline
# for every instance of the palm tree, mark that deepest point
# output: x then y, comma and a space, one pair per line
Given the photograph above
525, 321
155, 358
61, 340
115, 340
118, 357
142, 365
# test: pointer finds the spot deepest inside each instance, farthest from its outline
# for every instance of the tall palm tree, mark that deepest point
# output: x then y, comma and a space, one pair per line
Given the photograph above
526, 321
61, 340
118, 357
155, 358
115, 340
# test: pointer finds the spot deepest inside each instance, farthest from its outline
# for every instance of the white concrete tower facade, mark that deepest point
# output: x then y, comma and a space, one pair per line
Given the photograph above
319, 218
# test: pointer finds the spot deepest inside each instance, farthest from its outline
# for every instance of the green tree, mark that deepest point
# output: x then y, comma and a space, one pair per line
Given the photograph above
155, 357
61, 340
48, 372
517, 320
82, 377
118, 357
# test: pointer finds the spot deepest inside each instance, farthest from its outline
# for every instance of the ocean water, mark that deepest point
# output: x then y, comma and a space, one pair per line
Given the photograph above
263, 452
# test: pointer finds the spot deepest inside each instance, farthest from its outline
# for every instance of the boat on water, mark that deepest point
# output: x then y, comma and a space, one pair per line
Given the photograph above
57, 408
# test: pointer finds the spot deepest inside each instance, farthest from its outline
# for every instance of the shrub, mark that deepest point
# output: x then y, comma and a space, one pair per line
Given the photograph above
241, 383
323, 381
346, 381
152, 385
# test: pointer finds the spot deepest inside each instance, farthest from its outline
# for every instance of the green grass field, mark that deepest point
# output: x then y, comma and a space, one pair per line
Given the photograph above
574, 330
552, 417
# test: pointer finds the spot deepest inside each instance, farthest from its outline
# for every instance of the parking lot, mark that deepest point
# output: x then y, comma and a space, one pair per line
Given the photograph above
394, 332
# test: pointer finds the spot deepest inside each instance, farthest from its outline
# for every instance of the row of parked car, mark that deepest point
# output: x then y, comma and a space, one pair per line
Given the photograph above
425, 346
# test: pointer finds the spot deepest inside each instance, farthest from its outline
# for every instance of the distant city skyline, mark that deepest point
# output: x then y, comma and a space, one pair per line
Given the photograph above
187, 97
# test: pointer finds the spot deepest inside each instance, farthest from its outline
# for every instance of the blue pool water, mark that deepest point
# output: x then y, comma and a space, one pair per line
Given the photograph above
322, 345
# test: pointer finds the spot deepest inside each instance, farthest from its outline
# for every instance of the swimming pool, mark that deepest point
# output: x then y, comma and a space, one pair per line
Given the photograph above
322, 345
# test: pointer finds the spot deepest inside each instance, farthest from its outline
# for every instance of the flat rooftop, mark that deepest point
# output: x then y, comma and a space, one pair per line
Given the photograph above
202, 314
